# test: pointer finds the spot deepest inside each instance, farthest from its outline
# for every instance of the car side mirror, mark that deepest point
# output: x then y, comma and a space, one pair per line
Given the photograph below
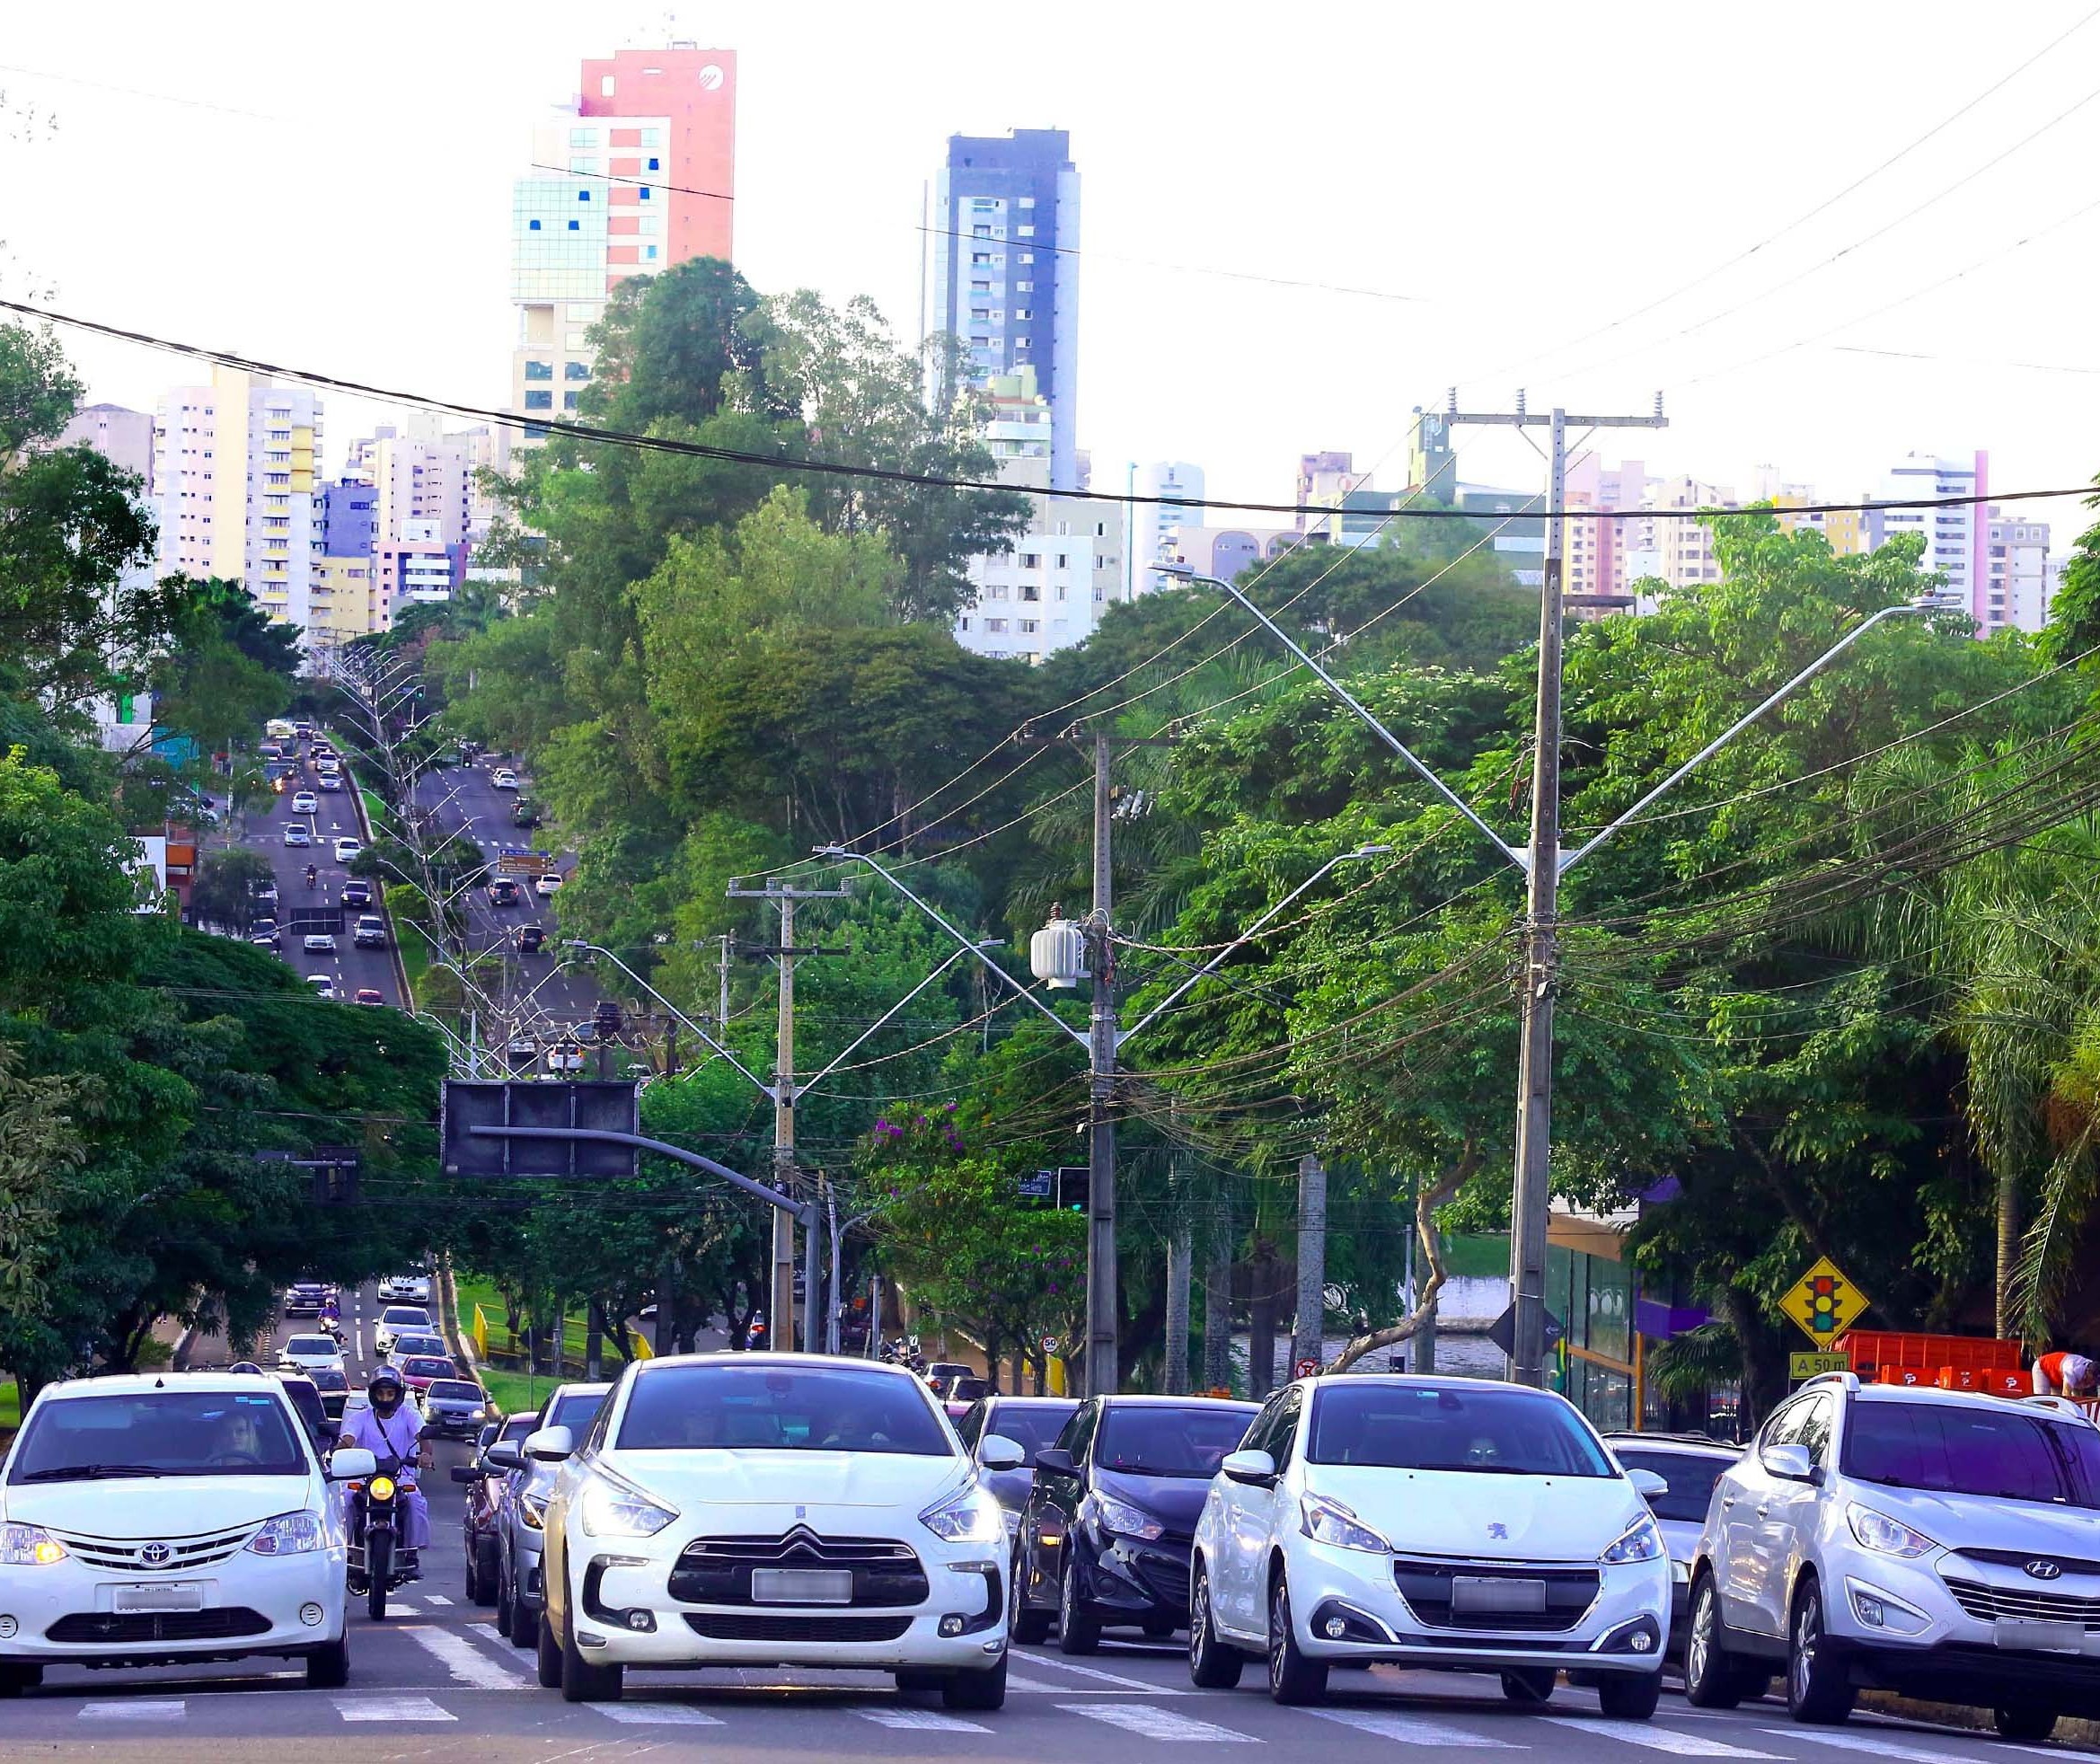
1057, 1460
1789, 1463
550, 1446
504, 1455
1256, 1470
997, 1453
351, 1463
1647, 1484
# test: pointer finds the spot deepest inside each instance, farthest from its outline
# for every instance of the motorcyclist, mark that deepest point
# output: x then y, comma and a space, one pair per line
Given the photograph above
313, 875
391, 1436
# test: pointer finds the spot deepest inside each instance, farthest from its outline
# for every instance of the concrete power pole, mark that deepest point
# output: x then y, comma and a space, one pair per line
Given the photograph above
1305, 1340
1180, 1253
1217, 1301
1103, 1309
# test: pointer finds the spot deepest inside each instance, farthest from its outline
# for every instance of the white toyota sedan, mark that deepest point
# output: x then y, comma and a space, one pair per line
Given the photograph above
307, 1354
148, 1520
1435, 1523
768, 1510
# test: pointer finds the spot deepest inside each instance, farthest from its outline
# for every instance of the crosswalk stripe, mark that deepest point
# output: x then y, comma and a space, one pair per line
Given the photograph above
1881, 1746
435, 1599
1106, 1678
1014, 1681
902, 1714
1150, 1724
466, 1663
658, 1715
1412, 1730
390, 1709
141, 1710
1655, 1738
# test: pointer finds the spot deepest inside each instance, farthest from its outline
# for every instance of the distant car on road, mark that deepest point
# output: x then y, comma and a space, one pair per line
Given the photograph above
265, 892
397, 1320
522, 1047
304, 1297
416, 1344
411, 1287
322, 983
307, 1353
524, 812
335, 1390
263, 932
456, 1407
419, 1371
357, 892
505, 778
304, 802
318, 943
531, 939
371, 931
348, 849
330, 782
297, 833
1691, 1465
549, 884
566, 1057
503, 891
370, 995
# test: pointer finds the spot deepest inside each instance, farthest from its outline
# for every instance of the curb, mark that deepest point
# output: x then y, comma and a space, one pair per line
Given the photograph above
456, 1337
2069, 1729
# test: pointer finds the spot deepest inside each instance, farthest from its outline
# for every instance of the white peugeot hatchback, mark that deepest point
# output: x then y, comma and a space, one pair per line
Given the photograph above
769, 1510
1441, 1524
150, 1521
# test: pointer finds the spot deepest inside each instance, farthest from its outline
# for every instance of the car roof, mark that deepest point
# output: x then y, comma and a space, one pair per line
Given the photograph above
1929, 1393
1135, 1401
786, 1362
132, 1384
1031, 1402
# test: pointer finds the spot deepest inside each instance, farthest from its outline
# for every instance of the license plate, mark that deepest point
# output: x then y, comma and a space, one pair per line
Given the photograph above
165, 1596
2034, 1634
1474, 1594
802, 1586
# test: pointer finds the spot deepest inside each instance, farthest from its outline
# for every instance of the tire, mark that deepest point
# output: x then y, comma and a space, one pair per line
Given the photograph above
485, 1578
1025, 1625
1630, 1696
2033, 1725
329, 1668
378, 1568
1713, 1678
1079, 1630
582, 1682
474, 1581
913, 1679
547, 1657
975, 1690
1817, 1689
1160, 1627
503, 1601
1529, 1687
525, 1623
1294, 1679
16, 1677
1212, 1665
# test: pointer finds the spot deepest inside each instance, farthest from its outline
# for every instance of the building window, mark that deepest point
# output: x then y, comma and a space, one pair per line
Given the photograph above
1024, 287
569, 400
576, 370
605, 85
995, 624
656, 165
1026, 232
1061, 593
1031, 559
1030, 591
1026, 257
999, 591
539, 370
539, 401
964, 622
1024, 312
1031, 625
583, 196
1028, 202
652, 137
576, 226
533, 227
980, 287
644, 193
649, 253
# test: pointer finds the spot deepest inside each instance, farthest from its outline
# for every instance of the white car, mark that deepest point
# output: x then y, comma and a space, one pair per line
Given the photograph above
771, 1509
304, 802
399, 1320
1435, 1523
566, 1057
308, 1353
296, 832
322, 983
549, 884
146, 1520
411, 1289
347, 850
503, 779
318, 943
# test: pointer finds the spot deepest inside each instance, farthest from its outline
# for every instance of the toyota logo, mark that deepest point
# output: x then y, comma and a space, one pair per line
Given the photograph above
154, 1554
2042, 1569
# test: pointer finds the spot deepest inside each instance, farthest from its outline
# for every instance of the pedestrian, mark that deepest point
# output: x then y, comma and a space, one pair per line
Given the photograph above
2065, 1374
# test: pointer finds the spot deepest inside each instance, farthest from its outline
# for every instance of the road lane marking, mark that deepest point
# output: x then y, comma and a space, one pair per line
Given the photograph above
144, 1709
1106, 1678
1412, 1730
1150, 1724
1888, 1748
435, 1599
658, 1715
1655, 1738
390, 1709
466, 1663
1016, 1682
903, 1715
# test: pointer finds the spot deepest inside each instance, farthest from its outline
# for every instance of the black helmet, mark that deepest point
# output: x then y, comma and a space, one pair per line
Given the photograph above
385, 1375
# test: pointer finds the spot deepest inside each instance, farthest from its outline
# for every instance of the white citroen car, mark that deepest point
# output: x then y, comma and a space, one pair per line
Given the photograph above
769, 1510
1438, 1524
151, 1520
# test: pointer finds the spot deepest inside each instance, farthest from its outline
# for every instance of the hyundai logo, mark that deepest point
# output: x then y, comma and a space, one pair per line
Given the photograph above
154, 1554
2041, 1568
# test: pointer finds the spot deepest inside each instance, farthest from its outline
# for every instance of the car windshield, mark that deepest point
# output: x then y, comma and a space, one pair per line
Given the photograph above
1029, 1425
159, 1433
1691, 1476
419, 1367
780, 1409
329, 1379
455, 1390
577, 1410
1998, 1454
403, 1319
322, 1344
1480, 1428
1159, 1439
407, 1344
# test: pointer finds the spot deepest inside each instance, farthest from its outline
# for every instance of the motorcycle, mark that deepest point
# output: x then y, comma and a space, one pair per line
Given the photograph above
312, 875
379, 1561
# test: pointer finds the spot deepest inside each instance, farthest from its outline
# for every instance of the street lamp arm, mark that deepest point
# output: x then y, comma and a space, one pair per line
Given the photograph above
802, 1091
598, 950
1572, 858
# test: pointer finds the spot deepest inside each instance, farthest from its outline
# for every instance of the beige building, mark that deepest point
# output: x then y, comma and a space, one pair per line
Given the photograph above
346, 601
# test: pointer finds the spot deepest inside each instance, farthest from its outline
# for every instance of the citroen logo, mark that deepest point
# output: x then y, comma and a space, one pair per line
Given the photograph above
154, 1554
1496, 1529
2041, 1568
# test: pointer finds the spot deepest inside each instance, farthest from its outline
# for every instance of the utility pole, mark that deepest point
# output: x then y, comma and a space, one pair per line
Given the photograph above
1307, 1338
1180, 1253
1103, 1311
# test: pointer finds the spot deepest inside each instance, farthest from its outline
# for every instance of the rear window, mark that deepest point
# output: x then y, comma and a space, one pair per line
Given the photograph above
312, 1344
1151, 1438
1998, 1454
1691, 1476
418, 1367
455, 1390
1483, 1429
1029, 1425
401, 1316
577, 1410
328, 1379
779, 1408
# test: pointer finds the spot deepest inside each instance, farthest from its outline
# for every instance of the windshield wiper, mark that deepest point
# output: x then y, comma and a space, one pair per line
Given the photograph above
1155, 1470
91, 1472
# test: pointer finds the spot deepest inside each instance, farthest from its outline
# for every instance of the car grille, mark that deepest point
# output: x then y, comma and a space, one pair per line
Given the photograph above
126, 1555
1426, 1586
208, 1626
716, 1571
1988, 1603
1165, 1577
755, 1627
2019, 1558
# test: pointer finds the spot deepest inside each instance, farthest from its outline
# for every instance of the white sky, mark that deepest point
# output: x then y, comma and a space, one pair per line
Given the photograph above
332, 191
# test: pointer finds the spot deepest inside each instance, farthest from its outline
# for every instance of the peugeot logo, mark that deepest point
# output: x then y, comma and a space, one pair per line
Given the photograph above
1496, 1529
154, 1554
2041, 1568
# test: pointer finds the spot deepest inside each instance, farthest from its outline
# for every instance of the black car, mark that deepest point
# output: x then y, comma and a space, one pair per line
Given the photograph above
357, 892
1109, 1526
484, 1481
304, 1299
531, 939
503, 892
1031, 1422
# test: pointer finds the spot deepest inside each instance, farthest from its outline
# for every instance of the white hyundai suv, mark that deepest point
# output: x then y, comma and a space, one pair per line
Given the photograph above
770, 1510
151, 1521
1440, 1523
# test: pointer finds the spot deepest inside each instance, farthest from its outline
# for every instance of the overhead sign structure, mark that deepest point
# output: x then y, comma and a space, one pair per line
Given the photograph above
1813, 1365
524, 1103
1824, 1303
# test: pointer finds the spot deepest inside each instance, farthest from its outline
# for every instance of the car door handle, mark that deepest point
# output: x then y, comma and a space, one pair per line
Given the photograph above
1761, 1511
1727, 1500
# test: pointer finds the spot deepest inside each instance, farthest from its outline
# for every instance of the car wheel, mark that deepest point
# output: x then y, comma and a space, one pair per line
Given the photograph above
911, 1679
1532, 1687
525, 1623
474, 1585
2032, 1725
1817, 1687
1159, 1627
1079, 1630
975, 1690
1712, 1679
1293, 1678
1025, 1625
583, 1682
547, 1655
329, 1668
18, 1676
503, 1601
1212, 1665
486, 1579
1630, 1696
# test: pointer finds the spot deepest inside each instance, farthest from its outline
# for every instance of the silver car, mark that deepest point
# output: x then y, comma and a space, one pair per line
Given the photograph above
1690, 1464
520, 1513
1930, 1542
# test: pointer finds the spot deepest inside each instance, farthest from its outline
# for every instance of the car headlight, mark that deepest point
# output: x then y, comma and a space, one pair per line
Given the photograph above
969, 1515
1121, 1518
288, 1534
29, 1546
1885, 1536
613, 1509
1330, 1522
1641, 1541
533, 1509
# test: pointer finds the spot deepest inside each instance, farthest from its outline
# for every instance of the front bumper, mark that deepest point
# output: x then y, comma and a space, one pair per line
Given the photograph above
457, 1423
1623, 1628
252, 1604
1130, 1579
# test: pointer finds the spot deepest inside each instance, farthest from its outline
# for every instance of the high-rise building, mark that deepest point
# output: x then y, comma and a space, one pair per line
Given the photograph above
417, 566
346, 518
1953, 535
1002, 269
638, 174
121, 435
1156, 526
2018, 584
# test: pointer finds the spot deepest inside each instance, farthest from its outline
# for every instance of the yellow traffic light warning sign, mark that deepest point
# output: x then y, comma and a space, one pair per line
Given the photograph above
1825, 1302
